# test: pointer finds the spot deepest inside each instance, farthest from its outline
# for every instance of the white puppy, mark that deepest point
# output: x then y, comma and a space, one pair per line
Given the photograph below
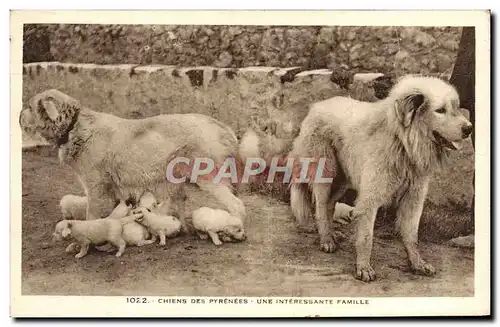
73, 207
216, 221
133, 232
159, 225
96, 231
342, 213
148, 200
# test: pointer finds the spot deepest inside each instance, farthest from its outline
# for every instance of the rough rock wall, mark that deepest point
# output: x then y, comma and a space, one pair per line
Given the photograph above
395, 50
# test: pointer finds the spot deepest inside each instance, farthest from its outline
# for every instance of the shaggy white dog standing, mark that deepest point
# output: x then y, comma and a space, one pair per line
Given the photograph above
386, 151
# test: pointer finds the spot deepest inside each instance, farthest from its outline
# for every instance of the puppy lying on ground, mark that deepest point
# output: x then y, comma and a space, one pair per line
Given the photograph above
212, 222
158, 225
73, 207
96, 231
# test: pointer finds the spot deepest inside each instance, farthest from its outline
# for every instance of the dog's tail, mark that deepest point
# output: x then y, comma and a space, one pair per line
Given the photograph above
259, 144
300, 203
249, 145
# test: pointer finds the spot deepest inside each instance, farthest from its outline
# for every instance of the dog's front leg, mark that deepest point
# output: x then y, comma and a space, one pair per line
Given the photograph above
83, 250
329, 240
71, 247
409, 211
215, 238
163, 238
364, 242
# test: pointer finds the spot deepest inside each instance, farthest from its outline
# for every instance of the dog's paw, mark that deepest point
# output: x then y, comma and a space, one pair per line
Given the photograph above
365, 273
327, 243
71, 248
79, 255
425, 269
217, 242
330, 243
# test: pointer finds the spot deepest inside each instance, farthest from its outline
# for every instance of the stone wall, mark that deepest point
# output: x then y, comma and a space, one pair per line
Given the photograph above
396, 50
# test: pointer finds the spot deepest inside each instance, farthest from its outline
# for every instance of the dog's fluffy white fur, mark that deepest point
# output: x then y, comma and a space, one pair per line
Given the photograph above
73, 207
386, 151
162, 226
133, 232
212, 222
119, 159
97, 231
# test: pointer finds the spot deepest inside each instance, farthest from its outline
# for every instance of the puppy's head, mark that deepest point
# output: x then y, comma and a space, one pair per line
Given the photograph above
433, 105
51, 114
233, 232
62, 230
142, 211
148, 200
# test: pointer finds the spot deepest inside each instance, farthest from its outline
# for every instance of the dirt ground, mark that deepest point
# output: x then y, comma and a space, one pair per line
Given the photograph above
274, 261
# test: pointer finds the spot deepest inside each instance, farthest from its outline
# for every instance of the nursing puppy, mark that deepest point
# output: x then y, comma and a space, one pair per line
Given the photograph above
73, 207
213, 223
386, 151
119, 159
96, 231
158, 225
133, 233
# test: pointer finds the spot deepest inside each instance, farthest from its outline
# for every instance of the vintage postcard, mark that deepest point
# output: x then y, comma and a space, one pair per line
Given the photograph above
250, 164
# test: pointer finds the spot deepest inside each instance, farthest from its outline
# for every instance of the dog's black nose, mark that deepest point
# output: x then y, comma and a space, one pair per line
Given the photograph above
466, 131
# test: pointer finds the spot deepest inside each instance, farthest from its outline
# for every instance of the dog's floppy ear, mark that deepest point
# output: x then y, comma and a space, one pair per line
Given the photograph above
407, 107
41, 112
67, 230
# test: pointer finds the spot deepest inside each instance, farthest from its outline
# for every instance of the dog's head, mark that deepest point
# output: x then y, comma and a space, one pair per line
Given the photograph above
142, 211
62, 230
148, 200
50, 114
434, 104
233, 233
121, 210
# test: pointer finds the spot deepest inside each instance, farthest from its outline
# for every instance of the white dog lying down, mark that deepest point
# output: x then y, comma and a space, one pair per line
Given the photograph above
73, 207
158, 225
96, 231
216, 221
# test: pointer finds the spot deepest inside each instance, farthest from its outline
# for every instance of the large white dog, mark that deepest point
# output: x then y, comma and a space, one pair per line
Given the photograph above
124, 158
386, 151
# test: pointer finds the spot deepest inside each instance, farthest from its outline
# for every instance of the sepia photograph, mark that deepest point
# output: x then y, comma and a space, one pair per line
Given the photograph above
316, 164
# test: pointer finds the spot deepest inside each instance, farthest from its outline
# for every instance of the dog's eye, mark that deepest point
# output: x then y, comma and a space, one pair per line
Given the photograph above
148, 210
441, 110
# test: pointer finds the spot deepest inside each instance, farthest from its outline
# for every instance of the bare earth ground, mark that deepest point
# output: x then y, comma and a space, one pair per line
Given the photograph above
274, 261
